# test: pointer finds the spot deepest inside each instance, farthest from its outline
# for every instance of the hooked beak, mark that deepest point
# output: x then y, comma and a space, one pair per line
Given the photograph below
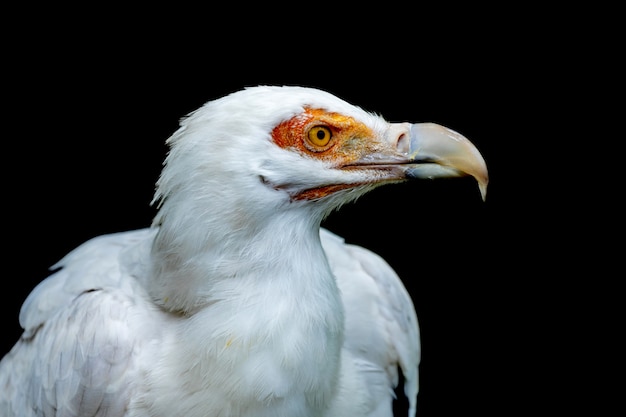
426, 150
438, 152
434, 151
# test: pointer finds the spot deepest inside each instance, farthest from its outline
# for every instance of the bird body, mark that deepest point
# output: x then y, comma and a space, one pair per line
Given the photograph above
235, 302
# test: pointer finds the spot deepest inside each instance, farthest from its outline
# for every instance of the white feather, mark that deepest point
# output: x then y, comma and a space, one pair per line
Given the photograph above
232, 303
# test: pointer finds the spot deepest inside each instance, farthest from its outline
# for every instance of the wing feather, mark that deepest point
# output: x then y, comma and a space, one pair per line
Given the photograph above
85, 327
382, 331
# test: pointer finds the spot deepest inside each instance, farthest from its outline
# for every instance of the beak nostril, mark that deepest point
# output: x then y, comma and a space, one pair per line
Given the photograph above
398, 136
403, 143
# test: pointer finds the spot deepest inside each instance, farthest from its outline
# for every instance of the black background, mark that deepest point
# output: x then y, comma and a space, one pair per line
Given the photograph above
89, 104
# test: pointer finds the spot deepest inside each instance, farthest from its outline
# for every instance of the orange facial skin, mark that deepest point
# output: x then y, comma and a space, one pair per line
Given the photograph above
317, 193
332, 137
346, 143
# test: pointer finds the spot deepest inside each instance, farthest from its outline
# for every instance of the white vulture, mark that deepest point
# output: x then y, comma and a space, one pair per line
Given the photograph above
235, 302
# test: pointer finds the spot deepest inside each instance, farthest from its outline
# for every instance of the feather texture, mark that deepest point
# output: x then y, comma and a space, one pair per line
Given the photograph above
235, 302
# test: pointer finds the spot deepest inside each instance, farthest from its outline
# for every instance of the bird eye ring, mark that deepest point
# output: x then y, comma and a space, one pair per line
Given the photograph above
319, 136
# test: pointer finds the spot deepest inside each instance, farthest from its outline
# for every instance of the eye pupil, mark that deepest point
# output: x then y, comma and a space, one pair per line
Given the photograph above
319, 137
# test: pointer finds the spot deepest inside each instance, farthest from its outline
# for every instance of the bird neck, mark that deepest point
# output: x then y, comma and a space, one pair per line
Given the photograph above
194, 265
260, 307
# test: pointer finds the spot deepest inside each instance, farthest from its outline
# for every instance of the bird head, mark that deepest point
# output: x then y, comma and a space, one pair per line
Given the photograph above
250, 176
276, 147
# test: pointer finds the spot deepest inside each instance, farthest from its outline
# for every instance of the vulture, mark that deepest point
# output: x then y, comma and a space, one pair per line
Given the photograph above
235, 301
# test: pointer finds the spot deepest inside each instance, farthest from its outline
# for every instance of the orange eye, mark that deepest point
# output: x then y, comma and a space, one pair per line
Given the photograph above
319, 135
